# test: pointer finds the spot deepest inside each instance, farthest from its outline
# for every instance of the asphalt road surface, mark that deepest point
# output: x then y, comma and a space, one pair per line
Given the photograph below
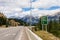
11, 33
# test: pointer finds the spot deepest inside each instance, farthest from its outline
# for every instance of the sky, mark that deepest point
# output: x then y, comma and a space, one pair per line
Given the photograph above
26, 7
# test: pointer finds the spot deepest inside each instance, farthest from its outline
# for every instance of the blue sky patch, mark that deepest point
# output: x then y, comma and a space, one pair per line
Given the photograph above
41, 8
33, 0
51, 8
27, 9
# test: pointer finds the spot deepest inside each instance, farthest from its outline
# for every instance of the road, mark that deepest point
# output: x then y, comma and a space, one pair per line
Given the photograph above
17, 33
24, 35
14, 33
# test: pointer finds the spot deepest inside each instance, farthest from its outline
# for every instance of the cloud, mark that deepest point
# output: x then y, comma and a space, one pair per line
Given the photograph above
22, 7
37, 12
15, 3
10, 11
45, 3
11, 7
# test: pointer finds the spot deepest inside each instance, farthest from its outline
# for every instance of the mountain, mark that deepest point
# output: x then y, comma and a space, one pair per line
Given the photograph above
35, 19
30, 19
55, 17
27, 19
17, 17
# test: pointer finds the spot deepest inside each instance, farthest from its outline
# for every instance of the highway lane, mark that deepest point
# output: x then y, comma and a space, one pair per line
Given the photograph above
16, 33
9, 33
24, 35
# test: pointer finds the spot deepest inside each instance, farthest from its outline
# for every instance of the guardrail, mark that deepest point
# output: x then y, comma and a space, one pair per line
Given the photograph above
32, 36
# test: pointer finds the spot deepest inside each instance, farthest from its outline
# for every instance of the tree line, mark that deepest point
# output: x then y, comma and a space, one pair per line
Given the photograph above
7, 22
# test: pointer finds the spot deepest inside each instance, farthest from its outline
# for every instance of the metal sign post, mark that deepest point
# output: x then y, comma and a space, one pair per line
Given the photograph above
46, 27
42, 27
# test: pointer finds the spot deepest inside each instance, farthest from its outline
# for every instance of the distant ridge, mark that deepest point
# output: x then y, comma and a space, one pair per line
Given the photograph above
27, 19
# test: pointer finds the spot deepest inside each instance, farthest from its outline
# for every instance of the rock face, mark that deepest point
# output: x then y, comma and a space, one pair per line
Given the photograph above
13, 23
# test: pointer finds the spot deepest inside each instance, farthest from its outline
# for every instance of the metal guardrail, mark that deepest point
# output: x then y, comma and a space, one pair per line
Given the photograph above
32, 36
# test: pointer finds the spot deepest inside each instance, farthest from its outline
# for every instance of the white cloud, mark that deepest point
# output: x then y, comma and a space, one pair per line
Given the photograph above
15, 3
14, 7
45, 3
44, 12
11, 7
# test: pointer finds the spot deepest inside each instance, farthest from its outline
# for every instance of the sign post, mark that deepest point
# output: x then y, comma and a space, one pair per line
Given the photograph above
44, 21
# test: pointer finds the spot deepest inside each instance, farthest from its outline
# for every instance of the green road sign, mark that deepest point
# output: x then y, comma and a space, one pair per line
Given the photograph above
44, 20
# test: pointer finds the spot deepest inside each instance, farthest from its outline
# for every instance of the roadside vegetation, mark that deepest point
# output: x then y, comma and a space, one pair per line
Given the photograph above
46, 35
2, 19
5, 22
53, 29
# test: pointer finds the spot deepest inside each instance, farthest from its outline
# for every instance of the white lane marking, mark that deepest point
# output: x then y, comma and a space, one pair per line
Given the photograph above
9, 35
21, 34
34, 35
28, 35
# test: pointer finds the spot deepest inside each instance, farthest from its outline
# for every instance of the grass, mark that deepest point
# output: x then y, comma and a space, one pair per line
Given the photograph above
46, 36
